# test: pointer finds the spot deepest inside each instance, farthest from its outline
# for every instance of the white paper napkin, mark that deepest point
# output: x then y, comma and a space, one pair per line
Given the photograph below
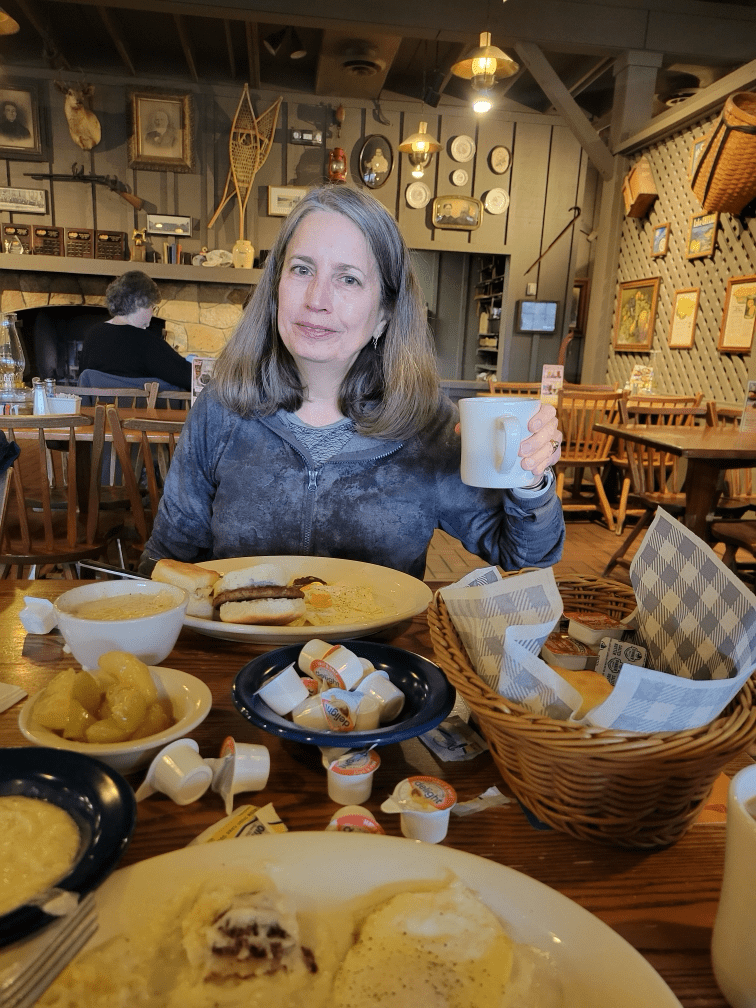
10, 695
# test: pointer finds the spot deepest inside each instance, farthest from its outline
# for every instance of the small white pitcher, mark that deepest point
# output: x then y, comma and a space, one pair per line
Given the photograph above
733, 945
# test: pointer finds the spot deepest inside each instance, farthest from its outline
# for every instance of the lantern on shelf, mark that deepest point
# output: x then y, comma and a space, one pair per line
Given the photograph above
337, 165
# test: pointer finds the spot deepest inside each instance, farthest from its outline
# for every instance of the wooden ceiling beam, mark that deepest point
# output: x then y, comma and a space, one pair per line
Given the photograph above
117, 39
253, 53
229, 46
54, 55
186, 44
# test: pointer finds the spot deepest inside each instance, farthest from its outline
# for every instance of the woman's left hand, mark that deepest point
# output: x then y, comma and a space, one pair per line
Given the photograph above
543, 447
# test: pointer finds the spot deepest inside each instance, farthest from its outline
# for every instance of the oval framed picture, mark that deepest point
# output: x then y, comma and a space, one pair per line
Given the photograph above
459, 177
462, 148
417, 195
500, 160
376, 161
496, 201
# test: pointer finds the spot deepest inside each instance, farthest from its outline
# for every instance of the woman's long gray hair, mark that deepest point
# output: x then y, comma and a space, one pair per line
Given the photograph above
391, 391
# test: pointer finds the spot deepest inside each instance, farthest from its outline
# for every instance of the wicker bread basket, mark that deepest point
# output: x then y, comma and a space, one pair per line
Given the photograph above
625, 789
724, 179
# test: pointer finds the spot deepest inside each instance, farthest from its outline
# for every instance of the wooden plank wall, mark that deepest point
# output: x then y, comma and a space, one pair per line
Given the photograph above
546, 179
720, 376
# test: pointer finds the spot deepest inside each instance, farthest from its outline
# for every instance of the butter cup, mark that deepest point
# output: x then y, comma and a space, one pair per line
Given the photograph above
283, 691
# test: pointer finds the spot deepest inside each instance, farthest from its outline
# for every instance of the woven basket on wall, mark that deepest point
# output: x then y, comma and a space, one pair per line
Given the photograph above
724, 180
625, 789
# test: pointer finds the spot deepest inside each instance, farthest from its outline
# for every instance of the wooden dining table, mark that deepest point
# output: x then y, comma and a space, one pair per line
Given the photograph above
707, 451
662, 902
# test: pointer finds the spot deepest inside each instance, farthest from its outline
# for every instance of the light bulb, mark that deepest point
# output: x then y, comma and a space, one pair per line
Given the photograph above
417, 172
482, 104
483, 65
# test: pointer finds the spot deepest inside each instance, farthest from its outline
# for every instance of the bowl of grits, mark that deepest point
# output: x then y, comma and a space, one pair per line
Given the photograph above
65, 822
141, 617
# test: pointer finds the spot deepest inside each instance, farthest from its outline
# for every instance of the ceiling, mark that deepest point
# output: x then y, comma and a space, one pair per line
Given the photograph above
179, 41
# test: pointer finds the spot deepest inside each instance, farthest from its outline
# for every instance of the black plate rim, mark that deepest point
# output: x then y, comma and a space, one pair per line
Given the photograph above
417, 725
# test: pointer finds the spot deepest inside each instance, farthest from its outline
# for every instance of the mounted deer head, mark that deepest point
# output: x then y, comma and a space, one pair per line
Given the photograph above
83, 124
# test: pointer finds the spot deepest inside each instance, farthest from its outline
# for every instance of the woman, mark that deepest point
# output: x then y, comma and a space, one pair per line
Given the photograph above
125, 345
324, 432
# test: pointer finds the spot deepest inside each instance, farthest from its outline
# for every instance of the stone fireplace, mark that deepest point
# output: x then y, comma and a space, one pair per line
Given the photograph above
199, 316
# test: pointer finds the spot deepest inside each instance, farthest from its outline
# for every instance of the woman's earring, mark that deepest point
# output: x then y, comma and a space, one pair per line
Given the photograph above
378, 335
375, 342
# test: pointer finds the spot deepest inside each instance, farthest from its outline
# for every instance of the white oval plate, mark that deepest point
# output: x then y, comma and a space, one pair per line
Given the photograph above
417, 195
459, 177
462, 148
400, 595
500, 160
496, 201
597, 967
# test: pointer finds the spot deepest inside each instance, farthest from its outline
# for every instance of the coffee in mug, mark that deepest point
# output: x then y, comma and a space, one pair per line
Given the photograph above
492, 429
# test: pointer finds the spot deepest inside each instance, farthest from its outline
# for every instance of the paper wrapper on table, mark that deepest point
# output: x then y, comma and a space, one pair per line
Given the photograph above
698, 622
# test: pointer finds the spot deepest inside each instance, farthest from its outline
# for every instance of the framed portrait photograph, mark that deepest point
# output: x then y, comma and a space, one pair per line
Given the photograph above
23, 200
660, 240
161, 131
682, 322
21, 134
376, 161
739, 315
457, 213
702, 235
283, 199
636, 315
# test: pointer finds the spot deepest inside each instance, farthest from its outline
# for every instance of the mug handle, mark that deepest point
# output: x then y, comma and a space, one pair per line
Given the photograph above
506, 442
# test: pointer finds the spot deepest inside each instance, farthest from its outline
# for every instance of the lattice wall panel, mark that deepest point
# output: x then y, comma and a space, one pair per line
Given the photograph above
719, 376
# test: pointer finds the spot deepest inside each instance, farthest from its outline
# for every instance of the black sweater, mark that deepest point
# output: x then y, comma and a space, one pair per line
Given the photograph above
134, 353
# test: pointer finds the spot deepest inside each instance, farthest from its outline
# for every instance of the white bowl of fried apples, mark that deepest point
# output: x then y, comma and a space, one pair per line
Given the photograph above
141, 617
123, 712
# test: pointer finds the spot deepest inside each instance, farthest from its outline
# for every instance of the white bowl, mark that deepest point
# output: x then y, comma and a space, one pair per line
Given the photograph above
150, 638
191, 701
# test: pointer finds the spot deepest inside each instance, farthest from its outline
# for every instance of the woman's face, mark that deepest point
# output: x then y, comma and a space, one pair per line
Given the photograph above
329, 295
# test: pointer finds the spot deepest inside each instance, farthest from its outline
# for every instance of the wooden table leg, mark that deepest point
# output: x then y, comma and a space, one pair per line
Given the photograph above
701, 495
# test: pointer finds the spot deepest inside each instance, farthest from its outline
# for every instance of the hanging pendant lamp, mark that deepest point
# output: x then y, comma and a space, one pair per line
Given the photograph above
483, 67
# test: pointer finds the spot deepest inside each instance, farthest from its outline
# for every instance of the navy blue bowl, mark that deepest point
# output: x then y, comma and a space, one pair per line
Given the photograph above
428, 696
99, 801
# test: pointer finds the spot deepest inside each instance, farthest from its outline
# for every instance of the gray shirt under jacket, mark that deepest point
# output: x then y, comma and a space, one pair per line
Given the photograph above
248, 487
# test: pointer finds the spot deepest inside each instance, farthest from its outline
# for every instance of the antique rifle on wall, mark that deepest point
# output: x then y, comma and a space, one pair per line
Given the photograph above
77, 175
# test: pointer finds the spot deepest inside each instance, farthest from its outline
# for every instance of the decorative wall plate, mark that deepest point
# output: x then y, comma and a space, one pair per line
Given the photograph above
417, 195
500, 160
496, 201
459, 177
462, 148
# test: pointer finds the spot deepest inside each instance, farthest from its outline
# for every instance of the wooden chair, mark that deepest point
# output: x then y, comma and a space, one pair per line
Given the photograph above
584, 448
153, 460
592, 388
136, 397
532, 389
642, 409
34, 533
738, 486
656, 479
737, 535
177, 400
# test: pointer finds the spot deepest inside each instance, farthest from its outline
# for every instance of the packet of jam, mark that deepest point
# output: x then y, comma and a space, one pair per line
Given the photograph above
567, 652
590, 627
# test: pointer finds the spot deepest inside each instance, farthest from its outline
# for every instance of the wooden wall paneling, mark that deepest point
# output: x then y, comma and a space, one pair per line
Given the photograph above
493, 133
415, 223
531, 145
703, 367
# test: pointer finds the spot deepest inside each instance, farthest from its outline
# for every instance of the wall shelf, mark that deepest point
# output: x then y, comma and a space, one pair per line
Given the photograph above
116, 267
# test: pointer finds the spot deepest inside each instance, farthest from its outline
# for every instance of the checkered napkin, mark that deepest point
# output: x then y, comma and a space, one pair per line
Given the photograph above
503, 623
698, 622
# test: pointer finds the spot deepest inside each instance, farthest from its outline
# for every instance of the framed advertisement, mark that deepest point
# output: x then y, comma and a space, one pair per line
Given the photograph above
636, 315
283, 199
682, 323
659, 240
21, 133
739, 315
457, 213
702, 235
376, 161
161, 131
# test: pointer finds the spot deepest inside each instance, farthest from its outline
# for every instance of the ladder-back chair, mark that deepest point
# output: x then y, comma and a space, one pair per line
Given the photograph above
532, 389
583, 448
738, 486
36, 533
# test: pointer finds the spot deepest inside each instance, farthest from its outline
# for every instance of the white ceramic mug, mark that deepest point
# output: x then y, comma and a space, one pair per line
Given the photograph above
733, 944
492, 429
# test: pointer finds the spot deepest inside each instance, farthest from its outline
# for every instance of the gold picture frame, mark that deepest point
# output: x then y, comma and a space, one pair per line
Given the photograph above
736, 330
636, 315
659, 240
682, 322
162, 125
702, 235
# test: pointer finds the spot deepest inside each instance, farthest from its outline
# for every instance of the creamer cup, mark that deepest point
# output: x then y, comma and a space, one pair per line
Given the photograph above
390, 696
241, 766
311, 651
178, 771
335, 668
350, 777
332, 710
283, 691
424, 804
38, 615
353, 819
368, 712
